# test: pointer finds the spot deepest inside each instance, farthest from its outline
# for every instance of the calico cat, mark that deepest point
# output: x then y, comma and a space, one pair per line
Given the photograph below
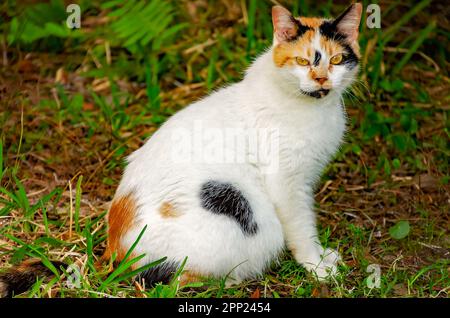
234, 218
230, 208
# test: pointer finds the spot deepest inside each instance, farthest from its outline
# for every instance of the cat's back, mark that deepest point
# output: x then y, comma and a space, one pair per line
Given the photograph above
218, 106
171, 151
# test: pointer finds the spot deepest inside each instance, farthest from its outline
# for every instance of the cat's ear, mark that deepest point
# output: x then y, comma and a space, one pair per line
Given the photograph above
284, 24
348, 22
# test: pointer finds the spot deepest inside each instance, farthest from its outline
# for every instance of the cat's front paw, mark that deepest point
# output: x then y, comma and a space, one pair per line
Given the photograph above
326, 267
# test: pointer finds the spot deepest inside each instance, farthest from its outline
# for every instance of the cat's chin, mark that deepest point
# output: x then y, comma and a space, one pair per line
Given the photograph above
320, 93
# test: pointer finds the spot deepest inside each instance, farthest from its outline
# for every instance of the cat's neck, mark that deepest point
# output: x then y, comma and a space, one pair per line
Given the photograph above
265, 81
263, 64
262, 72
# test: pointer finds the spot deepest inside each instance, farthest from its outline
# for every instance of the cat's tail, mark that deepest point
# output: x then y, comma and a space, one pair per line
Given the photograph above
22, 277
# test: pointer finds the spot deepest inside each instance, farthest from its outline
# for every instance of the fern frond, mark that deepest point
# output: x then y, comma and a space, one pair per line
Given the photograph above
138, 23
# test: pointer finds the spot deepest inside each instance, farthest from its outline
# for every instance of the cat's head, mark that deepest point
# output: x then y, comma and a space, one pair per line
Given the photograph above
316, 56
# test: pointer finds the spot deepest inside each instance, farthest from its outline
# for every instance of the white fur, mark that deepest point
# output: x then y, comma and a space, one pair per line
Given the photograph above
310, 132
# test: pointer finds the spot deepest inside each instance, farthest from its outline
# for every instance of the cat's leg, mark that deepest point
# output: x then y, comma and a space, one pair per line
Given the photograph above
300, 229
294, 209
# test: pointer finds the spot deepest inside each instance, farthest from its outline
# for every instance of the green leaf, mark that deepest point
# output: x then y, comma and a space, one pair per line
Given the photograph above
397, 85
108, 181
137, 23
405, 121
387, 167
396, 163
56, 30
386, 85
399, 142
400, 230
356, 150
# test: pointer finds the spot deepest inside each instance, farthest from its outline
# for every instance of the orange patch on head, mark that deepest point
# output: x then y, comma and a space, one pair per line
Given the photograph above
285, 53
120, 219
311, 22
167, 210
330, 47
333, 47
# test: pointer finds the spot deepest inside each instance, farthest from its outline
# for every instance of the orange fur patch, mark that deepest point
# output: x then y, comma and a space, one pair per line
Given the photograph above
167, 210
311, 22
285, 53
120, 219
333, 48
330, 47
319, 72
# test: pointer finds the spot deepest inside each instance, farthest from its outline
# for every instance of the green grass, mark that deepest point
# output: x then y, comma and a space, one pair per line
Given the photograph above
63, 144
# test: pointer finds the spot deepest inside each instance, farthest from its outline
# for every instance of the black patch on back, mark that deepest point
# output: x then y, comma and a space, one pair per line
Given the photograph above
317, 57
224, 198
329, 30
162, 273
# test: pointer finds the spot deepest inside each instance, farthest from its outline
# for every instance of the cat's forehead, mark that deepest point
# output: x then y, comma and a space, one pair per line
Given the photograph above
311, 38
313, 23
312, 34
309, 42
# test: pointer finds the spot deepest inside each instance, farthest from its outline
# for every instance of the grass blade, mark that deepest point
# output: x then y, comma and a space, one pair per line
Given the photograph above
417, 43
139, 270
42, 257
125, 263
77, 204
390, 32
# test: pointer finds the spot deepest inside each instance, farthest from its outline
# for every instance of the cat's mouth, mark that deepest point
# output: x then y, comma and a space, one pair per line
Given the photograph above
317, 94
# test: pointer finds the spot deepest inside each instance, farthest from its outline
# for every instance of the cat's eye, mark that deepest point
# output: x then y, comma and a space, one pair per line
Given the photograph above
301, 61
337, 59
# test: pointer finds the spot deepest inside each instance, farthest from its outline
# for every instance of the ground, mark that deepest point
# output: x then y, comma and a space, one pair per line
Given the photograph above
72, 108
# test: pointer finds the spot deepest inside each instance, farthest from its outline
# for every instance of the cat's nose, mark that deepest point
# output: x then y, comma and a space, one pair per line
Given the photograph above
321, 80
